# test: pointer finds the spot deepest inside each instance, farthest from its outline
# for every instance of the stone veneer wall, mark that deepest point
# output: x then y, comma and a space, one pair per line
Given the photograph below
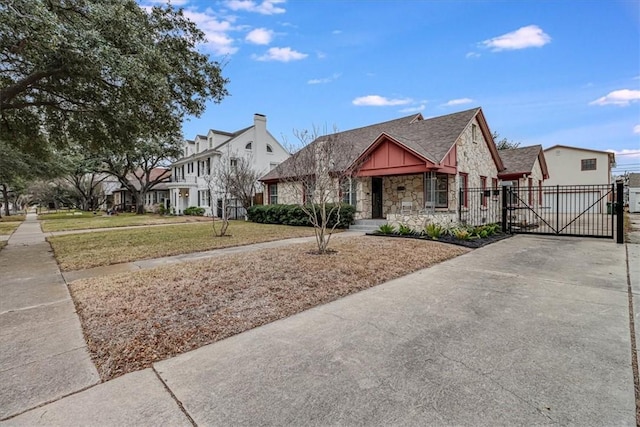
474, 158
418, 222
363, 198
392, 198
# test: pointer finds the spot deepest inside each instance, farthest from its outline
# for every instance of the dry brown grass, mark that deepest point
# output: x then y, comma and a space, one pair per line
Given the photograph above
133, 320
87, 250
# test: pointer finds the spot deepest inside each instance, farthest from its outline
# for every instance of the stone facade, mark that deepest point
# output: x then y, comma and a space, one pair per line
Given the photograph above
474, 157
402, 188
418, 222
363, 192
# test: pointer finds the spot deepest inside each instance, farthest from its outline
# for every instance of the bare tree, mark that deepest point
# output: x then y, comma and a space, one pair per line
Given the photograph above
219, 183
244, 181
316, 177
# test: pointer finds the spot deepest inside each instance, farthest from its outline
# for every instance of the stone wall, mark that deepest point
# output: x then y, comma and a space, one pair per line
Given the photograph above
363, 197
419, 221
393, 193
474, 157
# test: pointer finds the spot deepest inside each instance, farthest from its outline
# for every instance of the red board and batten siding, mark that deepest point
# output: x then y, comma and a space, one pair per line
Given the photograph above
391, 158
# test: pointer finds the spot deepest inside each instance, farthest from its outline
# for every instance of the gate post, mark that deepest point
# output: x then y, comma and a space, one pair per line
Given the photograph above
504, 208
619, 212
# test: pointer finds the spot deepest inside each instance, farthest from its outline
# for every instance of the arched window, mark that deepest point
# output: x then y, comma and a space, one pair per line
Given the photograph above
269, 149
248, 146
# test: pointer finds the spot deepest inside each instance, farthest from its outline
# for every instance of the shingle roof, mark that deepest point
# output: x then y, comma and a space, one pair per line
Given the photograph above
634, 180
520, 160
431, 138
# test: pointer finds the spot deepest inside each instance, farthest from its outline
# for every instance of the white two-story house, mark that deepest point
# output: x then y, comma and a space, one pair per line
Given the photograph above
189, 185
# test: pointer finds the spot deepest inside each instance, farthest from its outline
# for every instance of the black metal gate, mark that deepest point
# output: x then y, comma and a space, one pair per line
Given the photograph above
567, 210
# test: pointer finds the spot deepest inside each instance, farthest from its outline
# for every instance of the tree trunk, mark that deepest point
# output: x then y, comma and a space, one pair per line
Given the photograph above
140, 199
5, 197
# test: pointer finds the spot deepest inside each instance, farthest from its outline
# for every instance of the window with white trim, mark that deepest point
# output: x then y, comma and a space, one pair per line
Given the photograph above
269, 149
273, 194
441, 191
348, 189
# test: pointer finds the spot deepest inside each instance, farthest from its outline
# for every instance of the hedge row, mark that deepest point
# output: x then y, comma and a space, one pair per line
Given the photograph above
294, 215
194, 210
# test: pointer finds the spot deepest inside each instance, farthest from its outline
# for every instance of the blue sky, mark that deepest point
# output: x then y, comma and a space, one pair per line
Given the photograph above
544, 72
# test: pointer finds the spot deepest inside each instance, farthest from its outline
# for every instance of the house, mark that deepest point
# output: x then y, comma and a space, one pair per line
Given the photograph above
410, 170
578, 166
634, 192
582, 177
190, 184
525, 168
125, 201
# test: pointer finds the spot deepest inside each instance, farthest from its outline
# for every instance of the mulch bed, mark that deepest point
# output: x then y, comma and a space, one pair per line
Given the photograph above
473, 244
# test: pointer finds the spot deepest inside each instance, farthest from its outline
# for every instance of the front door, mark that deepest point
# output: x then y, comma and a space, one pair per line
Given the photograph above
376, 197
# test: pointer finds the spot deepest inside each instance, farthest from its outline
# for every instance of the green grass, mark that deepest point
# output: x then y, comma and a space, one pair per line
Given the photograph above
86, 250
87, 220
8, 225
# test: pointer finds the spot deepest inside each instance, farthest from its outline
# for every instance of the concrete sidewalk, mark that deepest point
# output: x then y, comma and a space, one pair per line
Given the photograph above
43, 355
526, 331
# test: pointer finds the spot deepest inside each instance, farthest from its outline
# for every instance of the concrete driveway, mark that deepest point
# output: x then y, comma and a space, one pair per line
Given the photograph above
527, 331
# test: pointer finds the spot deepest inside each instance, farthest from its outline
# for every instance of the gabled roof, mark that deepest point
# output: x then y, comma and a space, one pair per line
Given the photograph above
429, 138
153, 175
232, 135
521, 161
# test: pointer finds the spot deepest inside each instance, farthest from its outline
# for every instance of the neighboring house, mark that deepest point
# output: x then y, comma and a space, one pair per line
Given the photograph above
109, 186
578, 166
526, 168
634, 192
413, 164
585, 175
190, 186
124, 201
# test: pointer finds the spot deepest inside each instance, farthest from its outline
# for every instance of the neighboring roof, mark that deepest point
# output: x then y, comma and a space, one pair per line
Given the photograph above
429, 138
612, 156
232, 135
155, 174
522, 160
634, 180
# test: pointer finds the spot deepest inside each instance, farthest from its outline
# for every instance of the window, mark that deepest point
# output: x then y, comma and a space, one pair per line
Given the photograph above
248, 146
348, 189
588, 164
440, 192
197, 147
474, 133
210, 142
494, 186
234, 164
208, 165
269, 149
203, 198
464, 186
273, 194
484, 195
540, 192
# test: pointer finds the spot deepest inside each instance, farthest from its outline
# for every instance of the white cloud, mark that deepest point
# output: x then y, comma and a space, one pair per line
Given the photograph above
636, 129
472, 55
622, 97
336, 32
165, 2
282, 54
215, 32
267, 7
413, 109
459, 101
333, 77
522, 38
379, 101
260, 36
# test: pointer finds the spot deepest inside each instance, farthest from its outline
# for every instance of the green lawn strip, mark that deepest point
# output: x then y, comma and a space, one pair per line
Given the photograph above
89, 221
13, 218
87, 250
7, 228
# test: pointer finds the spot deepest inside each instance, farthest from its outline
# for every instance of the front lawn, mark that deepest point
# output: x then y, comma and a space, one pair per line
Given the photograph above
87, 220
133, 320
86, 250
8, 224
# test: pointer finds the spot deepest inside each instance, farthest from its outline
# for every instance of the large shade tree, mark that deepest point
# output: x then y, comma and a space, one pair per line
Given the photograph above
103, 73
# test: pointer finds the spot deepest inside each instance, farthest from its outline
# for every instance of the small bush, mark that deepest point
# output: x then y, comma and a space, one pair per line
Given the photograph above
434, 231
194, 211
404, 230
386, 229
294, 215
461, 234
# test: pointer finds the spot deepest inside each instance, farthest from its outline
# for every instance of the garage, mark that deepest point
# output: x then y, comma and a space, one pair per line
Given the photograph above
575, 201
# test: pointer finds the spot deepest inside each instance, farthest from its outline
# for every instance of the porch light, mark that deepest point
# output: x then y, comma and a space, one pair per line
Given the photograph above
186, 194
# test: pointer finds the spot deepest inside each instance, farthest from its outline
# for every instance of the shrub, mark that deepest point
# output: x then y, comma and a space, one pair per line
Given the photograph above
294, 215
386, 229
404, 230
461, 233
433, 230
194, 211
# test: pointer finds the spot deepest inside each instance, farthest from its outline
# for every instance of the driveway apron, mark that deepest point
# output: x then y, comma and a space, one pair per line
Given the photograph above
43, 355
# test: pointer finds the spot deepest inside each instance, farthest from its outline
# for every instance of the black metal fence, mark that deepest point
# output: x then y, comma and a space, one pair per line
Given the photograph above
567, 210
